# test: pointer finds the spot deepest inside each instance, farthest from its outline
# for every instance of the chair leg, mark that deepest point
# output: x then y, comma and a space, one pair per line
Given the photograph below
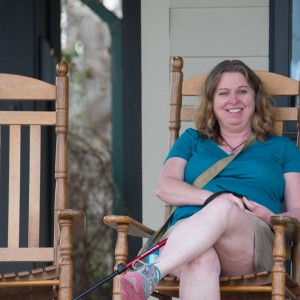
121, 255
65, 264
278, 273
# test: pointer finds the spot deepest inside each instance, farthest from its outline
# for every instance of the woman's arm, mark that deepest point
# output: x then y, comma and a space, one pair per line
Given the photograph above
292, 194
173, 190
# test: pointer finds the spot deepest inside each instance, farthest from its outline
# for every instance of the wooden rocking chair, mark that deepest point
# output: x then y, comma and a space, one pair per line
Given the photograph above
55, 280
277, 284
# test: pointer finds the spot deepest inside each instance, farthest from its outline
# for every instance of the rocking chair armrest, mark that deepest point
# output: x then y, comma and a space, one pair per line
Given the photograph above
135, 228
291, 225
78, 220
70, 213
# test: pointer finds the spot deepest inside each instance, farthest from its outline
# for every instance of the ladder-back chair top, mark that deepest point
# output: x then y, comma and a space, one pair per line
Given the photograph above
18, 88
274, 84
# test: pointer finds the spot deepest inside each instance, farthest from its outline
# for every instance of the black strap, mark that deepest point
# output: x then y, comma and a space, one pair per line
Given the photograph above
215, 195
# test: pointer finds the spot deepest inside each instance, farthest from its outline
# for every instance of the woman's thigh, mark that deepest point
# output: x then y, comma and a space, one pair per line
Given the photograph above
235, 246
236, 253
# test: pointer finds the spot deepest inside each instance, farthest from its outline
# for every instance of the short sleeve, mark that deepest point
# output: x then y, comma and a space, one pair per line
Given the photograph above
292, 157
186, 144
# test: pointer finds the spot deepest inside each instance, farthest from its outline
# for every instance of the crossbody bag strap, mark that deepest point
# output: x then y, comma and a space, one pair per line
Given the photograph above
200, 181
217, 167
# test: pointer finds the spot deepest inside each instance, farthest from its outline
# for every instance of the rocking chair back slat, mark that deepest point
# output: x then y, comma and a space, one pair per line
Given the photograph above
34, 186
14, 186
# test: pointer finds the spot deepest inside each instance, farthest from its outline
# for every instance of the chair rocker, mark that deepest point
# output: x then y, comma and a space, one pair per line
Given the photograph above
278, 284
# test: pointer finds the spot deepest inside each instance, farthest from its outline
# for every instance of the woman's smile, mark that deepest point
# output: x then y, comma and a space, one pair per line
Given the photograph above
234, 110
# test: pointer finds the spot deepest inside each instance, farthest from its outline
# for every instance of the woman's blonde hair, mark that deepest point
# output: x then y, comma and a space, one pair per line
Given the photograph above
263, 120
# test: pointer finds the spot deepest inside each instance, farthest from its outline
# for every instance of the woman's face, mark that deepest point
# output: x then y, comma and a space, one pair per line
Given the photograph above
234, 103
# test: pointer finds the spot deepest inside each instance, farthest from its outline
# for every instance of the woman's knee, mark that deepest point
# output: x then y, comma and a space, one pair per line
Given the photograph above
225, 208
224, 203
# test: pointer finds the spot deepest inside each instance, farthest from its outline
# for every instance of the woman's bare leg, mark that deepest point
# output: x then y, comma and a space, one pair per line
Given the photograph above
219, 238
199, 279
221, 225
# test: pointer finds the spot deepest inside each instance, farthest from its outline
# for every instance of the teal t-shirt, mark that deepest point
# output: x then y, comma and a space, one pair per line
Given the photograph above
256, 173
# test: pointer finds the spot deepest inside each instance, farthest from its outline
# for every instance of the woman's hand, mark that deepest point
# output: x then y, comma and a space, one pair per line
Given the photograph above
258, 210
236, 200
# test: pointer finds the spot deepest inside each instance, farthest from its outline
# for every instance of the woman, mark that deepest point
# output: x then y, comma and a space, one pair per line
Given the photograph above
202, 239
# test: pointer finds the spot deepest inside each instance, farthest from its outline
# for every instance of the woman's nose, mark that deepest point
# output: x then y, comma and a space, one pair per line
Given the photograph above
233, 98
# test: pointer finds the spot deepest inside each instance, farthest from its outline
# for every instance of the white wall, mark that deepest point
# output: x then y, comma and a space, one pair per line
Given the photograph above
155, 93
203, 32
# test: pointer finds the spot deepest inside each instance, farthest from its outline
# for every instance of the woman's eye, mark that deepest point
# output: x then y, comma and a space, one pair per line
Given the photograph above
223, 93
242, 92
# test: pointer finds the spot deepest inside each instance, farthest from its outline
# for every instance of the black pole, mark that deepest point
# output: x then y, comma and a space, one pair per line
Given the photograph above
121, 268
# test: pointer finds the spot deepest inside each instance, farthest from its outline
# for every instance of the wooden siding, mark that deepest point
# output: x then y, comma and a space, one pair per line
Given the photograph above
206, 32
